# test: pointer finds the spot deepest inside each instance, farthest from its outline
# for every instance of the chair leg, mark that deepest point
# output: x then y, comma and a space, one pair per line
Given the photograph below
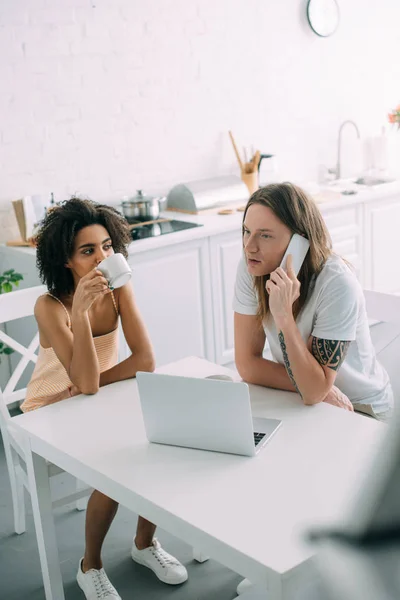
199, 556
17, 488
19, 511
82, 503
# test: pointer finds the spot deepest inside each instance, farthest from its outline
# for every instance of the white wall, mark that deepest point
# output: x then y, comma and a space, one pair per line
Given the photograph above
100, 97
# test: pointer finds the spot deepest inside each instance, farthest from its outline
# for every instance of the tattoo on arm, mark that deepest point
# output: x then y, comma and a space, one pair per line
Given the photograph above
329, 353
286, 360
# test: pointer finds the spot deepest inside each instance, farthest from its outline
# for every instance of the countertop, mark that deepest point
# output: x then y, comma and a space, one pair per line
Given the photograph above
219, 224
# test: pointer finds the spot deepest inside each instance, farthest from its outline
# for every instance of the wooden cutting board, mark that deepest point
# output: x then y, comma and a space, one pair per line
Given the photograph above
19, 243
327, 196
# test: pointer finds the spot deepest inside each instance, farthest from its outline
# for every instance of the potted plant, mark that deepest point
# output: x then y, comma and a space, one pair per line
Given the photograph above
394, 117
8, 280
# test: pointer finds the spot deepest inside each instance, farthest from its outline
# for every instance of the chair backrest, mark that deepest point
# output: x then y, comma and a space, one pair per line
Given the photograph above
375, 507
384, 310
16, 305
382, 307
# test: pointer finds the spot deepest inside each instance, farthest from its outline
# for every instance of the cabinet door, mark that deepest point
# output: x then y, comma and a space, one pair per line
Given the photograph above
225, 251
345, 226
382, 220
173, 292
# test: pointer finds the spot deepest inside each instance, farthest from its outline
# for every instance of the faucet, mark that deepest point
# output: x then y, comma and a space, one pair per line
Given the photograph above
339, 146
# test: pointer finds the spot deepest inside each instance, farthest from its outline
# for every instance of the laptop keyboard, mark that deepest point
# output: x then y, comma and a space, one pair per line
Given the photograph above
258, 437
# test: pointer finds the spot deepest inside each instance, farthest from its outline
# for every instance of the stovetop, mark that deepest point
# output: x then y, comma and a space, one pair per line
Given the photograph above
150, 229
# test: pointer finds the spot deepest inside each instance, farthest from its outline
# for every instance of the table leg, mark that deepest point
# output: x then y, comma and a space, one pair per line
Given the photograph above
275, 587
199, 556
39, 485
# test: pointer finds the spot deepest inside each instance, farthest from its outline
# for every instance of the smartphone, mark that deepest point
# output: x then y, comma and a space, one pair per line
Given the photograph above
298, 248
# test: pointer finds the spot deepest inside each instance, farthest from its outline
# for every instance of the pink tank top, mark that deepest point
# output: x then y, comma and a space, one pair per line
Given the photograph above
50, 378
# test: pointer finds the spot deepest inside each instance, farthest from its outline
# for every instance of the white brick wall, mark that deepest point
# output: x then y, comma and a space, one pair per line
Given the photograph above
100, 97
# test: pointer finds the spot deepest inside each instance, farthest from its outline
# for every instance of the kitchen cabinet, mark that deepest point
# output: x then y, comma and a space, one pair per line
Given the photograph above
345, 226
382, 222
173, 290
225, 252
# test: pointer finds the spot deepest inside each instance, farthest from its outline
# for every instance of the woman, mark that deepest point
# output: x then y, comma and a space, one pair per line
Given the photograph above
78, 328
316, 325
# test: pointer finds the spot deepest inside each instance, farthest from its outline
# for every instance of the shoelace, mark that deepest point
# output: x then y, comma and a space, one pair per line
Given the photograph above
102, 585
163, 557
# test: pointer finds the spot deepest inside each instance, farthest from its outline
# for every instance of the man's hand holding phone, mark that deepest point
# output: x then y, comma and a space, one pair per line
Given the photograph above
283, 287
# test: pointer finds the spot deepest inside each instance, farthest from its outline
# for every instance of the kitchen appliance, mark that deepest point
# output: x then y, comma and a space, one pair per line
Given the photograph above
147, 229
195, 196
141, 206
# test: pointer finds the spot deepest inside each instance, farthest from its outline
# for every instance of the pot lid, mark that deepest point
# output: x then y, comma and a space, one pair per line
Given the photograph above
140, 197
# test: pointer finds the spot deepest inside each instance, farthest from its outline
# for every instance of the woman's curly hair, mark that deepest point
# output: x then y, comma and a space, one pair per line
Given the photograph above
56, 238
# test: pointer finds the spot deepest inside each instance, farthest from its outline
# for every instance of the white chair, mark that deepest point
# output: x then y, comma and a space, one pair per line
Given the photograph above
16, 305
384, 312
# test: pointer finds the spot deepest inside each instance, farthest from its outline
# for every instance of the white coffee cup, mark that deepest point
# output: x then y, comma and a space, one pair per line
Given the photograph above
116, 270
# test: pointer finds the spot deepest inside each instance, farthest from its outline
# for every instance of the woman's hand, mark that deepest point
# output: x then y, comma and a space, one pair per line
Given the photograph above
337, 398
91, 287
283, 289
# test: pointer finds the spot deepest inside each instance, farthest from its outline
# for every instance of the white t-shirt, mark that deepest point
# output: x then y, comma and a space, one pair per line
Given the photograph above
334, 310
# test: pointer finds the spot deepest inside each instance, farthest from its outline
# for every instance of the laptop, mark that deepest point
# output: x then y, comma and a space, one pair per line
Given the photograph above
207, 414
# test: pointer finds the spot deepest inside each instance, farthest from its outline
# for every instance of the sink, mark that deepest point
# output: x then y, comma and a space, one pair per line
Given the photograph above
344, 186
349, 187
369, 180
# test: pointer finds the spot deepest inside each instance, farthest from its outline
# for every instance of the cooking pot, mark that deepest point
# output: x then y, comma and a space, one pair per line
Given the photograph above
141, 207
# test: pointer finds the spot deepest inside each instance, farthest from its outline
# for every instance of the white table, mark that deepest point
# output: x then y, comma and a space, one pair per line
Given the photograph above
247, 513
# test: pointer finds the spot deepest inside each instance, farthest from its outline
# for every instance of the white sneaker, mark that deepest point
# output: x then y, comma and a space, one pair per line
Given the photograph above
243, 586
96, 585
167, 568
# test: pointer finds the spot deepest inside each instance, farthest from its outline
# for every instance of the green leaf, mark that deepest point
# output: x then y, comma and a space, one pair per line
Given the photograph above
8, 351
8, 280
